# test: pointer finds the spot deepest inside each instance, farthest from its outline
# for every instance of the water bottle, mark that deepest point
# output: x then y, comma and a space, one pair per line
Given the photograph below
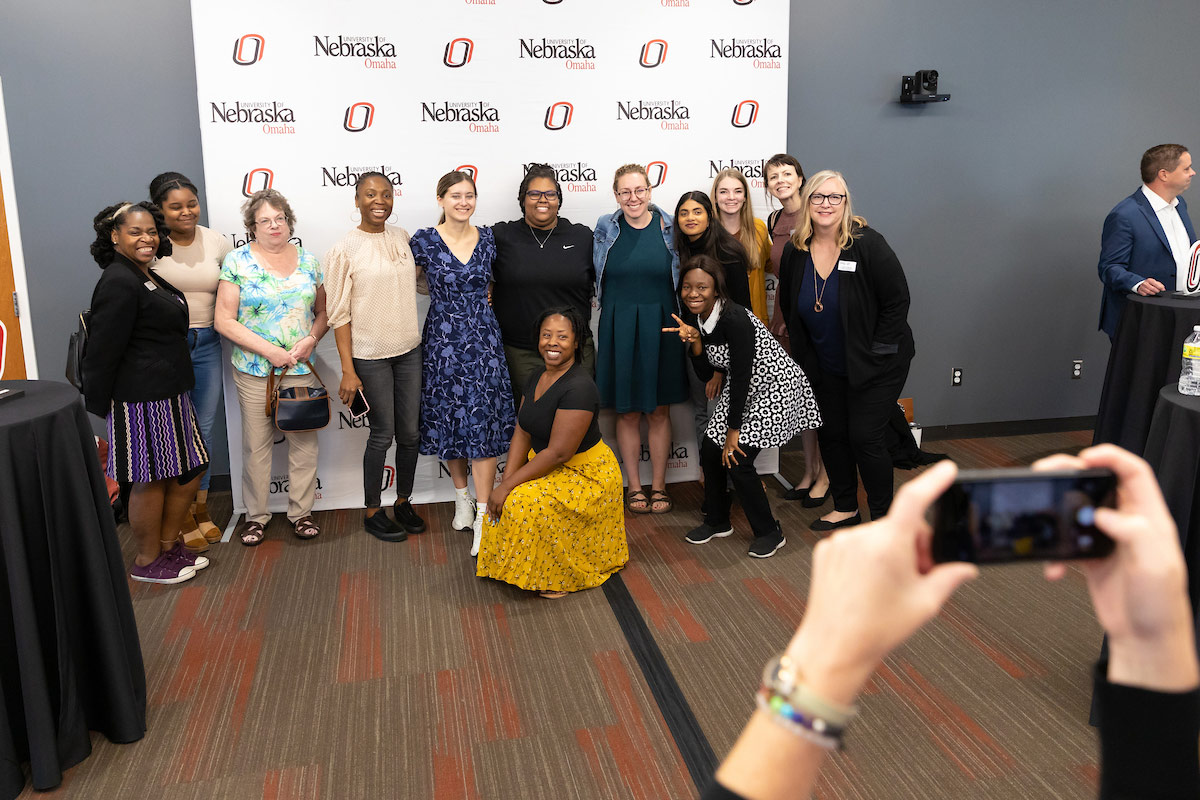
1189, 374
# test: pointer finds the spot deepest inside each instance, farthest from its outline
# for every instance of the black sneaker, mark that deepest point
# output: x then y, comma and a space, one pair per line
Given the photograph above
765, 546
706, 532
383, 528
407, 517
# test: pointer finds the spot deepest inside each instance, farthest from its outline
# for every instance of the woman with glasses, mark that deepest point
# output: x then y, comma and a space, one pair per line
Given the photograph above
640, 372
466, 402
845, 299
543, 261
271, 306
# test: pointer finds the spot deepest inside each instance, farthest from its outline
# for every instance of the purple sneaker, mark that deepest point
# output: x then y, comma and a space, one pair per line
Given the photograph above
187, 558
163, 569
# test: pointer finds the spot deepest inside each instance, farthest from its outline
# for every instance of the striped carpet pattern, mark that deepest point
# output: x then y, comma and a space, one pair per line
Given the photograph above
347, 668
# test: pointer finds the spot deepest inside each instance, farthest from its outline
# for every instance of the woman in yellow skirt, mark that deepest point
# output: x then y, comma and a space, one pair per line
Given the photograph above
556, 522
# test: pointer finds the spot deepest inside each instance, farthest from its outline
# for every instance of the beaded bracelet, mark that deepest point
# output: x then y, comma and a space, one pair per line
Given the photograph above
812, 729
782, 677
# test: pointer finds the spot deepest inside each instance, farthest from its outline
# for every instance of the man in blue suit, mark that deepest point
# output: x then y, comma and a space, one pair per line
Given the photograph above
1147, 238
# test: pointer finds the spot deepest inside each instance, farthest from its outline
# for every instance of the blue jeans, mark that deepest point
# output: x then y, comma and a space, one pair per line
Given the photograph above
392, 387
205, 347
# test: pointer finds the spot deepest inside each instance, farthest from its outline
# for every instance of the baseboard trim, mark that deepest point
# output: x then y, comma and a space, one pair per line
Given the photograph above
1018, 427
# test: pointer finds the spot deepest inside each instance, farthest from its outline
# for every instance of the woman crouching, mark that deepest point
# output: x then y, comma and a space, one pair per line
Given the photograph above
764, 402
556, 523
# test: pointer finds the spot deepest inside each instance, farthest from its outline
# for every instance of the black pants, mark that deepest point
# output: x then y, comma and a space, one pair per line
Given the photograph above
745, 481
853, 441
392, 387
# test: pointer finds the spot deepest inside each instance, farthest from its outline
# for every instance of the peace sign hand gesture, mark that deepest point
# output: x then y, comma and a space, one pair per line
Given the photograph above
686, 332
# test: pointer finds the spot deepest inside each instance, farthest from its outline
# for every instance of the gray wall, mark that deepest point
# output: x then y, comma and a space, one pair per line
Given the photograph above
994, 201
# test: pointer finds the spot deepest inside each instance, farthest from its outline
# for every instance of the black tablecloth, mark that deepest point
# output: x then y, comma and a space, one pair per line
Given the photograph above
1173, 449
1145, 356
70, 660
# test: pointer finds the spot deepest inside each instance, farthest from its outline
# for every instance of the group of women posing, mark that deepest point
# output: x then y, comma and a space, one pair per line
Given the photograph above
505, 360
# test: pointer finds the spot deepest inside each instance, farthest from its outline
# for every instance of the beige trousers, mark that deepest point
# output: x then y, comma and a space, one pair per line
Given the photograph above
258, 438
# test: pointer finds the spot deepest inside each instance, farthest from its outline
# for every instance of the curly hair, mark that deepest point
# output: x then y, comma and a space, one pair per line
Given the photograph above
113, 217
165, 182
629, 169
538, 171
260, 198
572, 316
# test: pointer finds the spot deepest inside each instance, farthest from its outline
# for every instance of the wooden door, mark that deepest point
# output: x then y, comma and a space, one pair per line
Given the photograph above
12, 354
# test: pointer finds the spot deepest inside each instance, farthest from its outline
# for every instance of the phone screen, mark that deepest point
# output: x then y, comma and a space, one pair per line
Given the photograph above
358, 406
996, 516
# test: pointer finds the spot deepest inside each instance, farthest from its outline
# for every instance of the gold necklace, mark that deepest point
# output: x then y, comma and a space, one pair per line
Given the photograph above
817, 307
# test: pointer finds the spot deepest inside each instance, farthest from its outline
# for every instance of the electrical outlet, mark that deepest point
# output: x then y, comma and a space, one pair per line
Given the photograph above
956, 376
1077, 369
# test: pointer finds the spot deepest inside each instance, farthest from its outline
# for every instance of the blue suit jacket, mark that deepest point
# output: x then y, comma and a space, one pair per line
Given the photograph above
1134, 247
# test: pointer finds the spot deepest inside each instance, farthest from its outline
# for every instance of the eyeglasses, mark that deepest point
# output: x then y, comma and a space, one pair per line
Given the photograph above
639, 192
834, 199
534, 194
269, 222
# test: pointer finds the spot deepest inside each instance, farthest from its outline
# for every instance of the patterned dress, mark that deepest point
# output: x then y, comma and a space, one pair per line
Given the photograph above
466, 397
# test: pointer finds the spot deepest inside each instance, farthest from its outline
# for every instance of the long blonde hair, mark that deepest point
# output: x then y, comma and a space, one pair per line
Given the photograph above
804, 230
747, 234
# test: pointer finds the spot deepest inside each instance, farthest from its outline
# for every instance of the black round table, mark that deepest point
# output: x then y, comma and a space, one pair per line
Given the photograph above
1145, 356
1173, 450
70, 661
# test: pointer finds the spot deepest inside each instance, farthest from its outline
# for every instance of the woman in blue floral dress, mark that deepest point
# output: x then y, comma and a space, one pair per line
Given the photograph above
466, 402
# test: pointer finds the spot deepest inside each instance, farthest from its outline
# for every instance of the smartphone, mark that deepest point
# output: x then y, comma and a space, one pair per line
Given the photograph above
358, 404
995, 516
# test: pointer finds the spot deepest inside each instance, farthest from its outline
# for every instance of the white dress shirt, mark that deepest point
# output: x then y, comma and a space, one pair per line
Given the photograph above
1177, 236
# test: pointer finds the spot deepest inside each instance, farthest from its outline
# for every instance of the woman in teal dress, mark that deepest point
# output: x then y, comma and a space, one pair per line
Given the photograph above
638, 370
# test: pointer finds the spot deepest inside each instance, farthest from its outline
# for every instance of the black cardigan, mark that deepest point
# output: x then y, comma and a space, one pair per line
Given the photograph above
874, 308
137, 346
735, 329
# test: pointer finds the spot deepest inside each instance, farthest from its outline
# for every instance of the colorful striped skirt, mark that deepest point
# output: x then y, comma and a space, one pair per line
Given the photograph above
154, 439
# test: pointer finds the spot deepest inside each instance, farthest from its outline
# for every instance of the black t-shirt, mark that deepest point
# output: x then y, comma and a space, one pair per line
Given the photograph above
530, 278
574, 391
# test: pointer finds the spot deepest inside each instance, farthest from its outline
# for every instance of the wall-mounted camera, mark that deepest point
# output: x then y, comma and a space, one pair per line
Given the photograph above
921, 88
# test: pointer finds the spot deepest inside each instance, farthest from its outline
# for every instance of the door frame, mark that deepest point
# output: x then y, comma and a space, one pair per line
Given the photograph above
14, 245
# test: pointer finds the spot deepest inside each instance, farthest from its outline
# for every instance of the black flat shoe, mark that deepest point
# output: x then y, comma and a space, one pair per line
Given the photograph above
821, 526
808, 501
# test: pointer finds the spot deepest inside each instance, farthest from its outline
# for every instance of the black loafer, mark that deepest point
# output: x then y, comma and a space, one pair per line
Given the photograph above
796, 494
821, 526
808, 501
407, 517
383, 528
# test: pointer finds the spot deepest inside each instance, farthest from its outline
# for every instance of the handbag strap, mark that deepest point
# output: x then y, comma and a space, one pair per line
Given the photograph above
273, 384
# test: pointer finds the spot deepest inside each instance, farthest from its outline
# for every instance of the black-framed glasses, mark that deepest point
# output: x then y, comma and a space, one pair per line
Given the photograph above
834, 199
534, 194
625, 194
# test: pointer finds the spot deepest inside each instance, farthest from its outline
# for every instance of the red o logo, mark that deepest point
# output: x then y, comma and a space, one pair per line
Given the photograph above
470, 169
744, 114
248, 49
261, 176
654, 52
458, 52
558, 115
656, 173
359, 117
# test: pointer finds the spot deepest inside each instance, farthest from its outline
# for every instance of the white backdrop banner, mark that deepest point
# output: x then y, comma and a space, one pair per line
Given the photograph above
305, 97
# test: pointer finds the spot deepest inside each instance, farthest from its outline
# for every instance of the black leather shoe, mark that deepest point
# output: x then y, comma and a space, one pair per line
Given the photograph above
407, 518
383, 528
808, 501
821, 526
796, 494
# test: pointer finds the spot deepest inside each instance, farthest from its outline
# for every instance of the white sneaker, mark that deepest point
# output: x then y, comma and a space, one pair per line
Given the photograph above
478, 529
464, 513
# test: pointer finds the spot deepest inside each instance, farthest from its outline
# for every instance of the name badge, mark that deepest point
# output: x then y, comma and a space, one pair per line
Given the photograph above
151, 285
847, 266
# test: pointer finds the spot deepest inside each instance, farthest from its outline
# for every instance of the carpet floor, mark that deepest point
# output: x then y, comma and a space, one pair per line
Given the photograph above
343, 667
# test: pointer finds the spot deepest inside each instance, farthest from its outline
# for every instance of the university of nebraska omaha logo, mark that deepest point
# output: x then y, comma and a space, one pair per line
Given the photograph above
248, 49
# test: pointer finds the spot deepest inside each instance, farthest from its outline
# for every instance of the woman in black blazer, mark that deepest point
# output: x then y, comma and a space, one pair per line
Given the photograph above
137, 372
845, 299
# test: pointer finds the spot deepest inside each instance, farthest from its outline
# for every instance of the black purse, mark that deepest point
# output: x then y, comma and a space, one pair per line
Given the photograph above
76, 347
297, 408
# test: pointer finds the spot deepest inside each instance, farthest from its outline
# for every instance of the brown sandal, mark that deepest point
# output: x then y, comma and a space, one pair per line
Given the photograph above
193, 539
252, 534
306, 528
637, 496
660, 496
200, 513
552, 595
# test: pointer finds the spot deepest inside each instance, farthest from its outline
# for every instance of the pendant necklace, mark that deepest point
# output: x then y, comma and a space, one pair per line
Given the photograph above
817, 307
541, 243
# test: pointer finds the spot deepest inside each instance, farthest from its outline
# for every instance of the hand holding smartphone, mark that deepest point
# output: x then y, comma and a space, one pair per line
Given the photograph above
358, 405
1004, 515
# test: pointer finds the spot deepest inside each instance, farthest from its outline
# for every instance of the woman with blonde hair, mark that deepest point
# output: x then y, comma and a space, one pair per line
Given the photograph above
845, 300
731, 195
